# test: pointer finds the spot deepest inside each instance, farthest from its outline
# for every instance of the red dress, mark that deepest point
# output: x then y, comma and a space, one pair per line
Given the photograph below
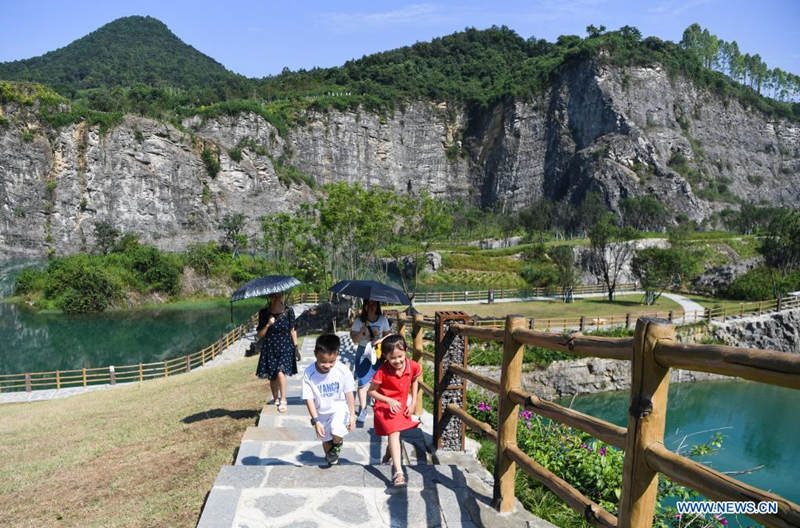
396, 387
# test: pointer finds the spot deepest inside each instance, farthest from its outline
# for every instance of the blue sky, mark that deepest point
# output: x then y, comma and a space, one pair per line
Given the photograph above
260, 38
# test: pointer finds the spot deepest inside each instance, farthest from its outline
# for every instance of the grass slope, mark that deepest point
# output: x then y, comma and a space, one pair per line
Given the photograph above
555, 309
139, 455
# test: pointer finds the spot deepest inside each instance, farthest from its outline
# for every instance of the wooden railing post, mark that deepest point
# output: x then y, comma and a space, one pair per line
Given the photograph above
505, 468
112, 376
583, 323
84, 376
141, 373
28, 382
449, 388
188, 363
417, 333
646, 418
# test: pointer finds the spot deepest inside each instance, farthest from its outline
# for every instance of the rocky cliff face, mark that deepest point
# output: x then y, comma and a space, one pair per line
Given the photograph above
604, 129
776, 331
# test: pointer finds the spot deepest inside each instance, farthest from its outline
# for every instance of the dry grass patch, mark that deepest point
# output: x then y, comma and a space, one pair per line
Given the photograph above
142, 455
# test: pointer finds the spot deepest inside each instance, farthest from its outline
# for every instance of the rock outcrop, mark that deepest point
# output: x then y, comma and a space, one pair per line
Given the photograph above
717, 280
598, 129
587, 376
774, 331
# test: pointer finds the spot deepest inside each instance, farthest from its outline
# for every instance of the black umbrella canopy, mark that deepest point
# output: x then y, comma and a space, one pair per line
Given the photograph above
264, 286
372, 290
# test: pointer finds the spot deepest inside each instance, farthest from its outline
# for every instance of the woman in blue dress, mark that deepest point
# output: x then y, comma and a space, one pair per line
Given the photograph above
279, 354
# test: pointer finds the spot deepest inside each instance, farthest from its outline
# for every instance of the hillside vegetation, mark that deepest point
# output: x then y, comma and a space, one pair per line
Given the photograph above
137, 65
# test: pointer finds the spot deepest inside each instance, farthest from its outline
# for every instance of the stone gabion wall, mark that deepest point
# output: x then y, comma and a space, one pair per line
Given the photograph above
450, 349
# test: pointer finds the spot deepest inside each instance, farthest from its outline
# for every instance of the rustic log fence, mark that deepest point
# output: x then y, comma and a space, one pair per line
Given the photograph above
652, 352
61, 379
628, 320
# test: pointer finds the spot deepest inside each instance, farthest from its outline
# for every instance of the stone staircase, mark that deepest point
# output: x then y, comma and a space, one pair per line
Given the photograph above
280, 478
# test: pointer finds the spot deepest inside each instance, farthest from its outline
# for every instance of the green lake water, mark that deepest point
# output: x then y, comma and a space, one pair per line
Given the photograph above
761, 427
36, 342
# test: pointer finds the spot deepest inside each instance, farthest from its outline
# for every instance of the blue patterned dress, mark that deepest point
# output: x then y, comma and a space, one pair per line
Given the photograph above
278, 350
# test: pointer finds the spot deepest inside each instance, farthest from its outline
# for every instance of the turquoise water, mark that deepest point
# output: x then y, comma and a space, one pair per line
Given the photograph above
758, 421
35, 342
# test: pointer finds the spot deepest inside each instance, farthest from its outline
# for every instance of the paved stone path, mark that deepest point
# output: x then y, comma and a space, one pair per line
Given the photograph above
280, 478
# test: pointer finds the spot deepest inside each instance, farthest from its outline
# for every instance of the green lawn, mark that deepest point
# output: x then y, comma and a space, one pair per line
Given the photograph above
590, 307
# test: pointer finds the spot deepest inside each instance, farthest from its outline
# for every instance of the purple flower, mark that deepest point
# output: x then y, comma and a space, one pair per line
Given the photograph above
678, 516
723, 521
602, 451
583, 446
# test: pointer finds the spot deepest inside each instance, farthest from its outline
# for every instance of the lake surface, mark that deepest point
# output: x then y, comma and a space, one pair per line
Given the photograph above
36, 342
760, 422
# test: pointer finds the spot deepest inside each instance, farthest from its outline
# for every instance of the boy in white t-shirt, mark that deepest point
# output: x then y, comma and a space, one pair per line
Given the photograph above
328, 391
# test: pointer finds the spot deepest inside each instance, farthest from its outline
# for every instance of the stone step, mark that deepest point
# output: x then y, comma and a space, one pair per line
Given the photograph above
292, 446
345, 496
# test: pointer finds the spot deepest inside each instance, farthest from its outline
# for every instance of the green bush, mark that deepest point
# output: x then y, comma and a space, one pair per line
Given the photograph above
211, 161
235, 154
204, 258
91, 290
538, 274
29, 281
159, 271
757, 285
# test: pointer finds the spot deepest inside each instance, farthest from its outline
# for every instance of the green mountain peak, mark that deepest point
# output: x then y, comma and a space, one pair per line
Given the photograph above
126, 51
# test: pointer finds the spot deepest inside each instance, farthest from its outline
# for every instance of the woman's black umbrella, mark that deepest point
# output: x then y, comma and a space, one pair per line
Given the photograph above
372, 290
263, 286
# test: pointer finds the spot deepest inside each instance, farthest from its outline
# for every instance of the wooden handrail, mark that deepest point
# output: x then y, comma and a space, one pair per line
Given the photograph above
766, 366
426, 388
607, 432
472, 422
716, 486
578, 344
484, 334
483, 381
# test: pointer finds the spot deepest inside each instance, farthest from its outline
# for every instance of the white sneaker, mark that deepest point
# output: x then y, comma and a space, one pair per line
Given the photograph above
362, 415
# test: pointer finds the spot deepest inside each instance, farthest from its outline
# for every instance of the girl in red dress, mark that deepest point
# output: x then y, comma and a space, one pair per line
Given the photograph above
394, 389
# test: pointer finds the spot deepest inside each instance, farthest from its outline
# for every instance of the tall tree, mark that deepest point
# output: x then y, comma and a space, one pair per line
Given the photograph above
608, 252
659, 269
564, 259
423, 221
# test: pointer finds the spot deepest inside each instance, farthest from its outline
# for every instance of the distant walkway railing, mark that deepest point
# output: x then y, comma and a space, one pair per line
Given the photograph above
61, 379
652, 352
679, 317
482, 295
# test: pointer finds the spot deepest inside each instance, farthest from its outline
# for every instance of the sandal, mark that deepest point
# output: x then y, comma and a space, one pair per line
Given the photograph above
282, 406
399, 480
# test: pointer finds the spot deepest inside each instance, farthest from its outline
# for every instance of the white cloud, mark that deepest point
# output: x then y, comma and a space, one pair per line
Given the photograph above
410, 14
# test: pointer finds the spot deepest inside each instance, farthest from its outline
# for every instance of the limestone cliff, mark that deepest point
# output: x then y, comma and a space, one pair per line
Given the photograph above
620, 132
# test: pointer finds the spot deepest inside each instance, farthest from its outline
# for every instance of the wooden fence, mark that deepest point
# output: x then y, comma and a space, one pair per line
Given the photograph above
652, 352
679, 317
112, 375
482, 295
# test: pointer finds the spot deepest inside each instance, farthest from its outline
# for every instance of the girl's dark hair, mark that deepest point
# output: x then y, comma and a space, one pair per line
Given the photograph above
391, 342
363, 316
